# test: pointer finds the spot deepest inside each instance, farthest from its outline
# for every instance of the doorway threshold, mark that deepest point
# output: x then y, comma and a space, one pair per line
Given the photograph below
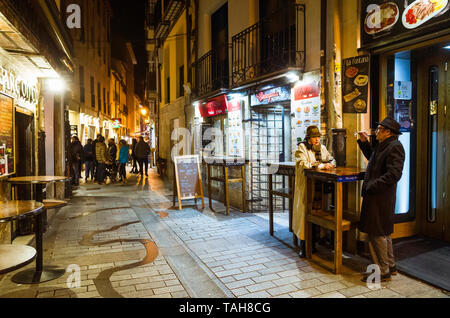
424, 258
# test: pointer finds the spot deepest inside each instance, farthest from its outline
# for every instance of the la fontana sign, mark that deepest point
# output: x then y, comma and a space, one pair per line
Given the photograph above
25, 93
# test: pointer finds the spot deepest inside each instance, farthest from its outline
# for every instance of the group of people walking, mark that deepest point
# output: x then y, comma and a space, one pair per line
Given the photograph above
386, 157
101, 159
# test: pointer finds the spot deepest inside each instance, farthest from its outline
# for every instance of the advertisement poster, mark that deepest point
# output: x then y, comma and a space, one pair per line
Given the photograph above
355, 84
3, 161
384, 21
235, 131
6, 135
305, 105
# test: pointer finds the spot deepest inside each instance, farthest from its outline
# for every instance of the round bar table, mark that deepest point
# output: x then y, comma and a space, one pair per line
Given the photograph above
17, 210
39, 182
15, 256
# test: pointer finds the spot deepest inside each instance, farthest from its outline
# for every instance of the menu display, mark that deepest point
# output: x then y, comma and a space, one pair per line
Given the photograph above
235, 129
389, 21
188, 178
306, 107
355, 86
6, 136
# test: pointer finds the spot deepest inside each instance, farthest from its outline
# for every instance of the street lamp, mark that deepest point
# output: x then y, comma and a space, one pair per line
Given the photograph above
144, 112
56, 85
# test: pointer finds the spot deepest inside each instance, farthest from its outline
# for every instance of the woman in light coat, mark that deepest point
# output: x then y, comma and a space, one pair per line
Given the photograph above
310, 154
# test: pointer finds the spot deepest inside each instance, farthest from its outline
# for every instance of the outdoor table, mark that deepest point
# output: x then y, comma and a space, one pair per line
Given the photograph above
226, 163
39, 182
13, 257
336, 222
16, 210
284, 169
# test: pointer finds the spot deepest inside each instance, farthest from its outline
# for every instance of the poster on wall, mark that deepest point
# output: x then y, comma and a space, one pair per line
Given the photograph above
305, 104
6, 135
384, 21
235, 129
355, 84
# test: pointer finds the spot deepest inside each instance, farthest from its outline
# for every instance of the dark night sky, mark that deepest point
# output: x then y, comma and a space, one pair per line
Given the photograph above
128, 22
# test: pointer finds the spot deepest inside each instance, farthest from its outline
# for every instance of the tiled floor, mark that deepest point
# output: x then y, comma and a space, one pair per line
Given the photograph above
125, 247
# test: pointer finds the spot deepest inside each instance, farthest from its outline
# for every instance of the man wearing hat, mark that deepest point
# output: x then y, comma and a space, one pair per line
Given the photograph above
379, 190
310, 154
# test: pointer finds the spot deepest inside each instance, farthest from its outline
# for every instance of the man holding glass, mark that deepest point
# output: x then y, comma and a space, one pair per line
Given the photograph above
379, 189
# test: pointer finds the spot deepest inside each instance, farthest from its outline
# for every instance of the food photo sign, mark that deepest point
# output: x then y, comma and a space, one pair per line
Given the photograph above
305, 105
355, 88
385, 22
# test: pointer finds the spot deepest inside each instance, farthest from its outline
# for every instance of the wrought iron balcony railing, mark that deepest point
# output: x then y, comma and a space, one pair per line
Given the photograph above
270, 45
211, 72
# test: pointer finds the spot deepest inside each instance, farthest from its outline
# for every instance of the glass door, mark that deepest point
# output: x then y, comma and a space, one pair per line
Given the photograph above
435, 87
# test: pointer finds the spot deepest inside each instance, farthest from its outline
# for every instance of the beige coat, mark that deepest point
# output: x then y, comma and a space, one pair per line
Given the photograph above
305, 159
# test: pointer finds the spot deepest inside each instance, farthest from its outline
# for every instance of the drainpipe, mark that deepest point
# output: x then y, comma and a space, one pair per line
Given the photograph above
323, 63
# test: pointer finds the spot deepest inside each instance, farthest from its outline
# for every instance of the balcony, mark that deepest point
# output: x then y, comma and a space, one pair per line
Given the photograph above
211, 72
270, 46
164, 23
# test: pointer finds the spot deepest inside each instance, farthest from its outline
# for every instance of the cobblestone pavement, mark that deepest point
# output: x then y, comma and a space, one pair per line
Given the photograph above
129, 242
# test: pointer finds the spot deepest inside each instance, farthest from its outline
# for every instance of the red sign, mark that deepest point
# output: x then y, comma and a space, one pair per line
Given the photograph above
234, 106
262, 97
306, 91
215, 106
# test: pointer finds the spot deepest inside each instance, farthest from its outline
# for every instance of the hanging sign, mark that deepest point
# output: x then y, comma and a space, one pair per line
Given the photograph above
274, 95
355, 84
384, 22
305, 105
213, 107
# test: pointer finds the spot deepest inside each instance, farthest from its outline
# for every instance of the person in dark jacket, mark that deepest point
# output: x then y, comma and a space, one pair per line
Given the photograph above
379, 190
133, 156
75, 159
89, 157
142, 150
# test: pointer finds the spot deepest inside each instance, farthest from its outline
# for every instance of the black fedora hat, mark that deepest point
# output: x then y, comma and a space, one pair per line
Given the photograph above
391, 124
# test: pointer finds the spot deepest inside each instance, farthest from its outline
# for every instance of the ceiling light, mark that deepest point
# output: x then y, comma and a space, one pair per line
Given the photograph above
293, 77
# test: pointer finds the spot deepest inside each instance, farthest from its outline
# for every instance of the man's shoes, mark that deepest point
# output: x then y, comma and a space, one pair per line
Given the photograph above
383, 278
393, 271
302, 253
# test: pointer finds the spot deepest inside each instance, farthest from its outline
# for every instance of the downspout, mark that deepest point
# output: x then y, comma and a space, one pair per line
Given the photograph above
323, 63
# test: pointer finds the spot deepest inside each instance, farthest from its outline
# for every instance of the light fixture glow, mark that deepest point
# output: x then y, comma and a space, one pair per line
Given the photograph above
447, 47
144, 112
293, 77
56, 85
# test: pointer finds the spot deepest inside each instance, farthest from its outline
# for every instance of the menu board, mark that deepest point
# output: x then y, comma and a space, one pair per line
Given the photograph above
188, 178
235, 131
355, 88
305, 105
6, 136
384, 22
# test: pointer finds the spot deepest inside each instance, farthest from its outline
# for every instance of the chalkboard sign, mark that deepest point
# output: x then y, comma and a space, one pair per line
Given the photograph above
188, 179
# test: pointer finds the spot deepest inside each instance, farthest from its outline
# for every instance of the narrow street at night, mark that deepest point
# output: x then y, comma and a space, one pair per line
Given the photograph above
130, 242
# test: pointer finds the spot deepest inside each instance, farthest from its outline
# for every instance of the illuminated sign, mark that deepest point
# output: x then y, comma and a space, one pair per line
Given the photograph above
117, 123
24, 92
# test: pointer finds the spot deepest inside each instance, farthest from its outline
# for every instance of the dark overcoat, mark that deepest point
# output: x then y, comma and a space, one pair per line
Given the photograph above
380, 186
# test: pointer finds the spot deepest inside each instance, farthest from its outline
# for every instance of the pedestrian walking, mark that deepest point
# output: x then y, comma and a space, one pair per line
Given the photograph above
142, 150
95, 157
75, 159
310, 154
384, 170
89, 158
102, 159
133, 156
123, 160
